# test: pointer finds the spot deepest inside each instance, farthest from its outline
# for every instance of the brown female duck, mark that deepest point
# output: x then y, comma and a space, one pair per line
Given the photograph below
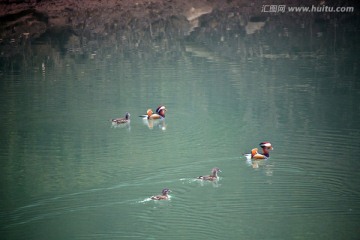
212, 177
164, 195
123, 120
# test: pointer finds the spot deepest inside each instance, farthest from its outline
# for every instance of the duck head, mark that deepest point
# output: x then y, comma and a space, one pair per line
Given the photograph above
165, 191
266, 147
215, 170
161, 110
127, 116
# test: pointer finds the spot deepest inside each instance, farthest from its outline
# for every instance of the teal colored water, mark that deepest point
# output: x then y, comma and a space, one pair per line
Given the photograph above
67, 173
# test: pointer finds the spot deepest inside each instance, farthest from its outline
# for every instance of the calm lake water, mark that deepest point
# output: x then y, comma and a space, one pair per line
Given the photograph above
67, 173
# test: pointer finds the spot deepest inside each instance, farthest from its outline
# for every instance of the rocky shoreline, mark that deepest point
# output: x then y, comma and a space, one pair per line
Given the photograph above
227, 27
33, 18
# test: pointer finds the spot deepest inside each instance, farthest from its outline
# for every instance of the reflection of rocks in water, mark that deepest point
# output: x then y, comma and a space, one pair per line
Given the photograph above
202, 52
28, 21
252, 27
255, 24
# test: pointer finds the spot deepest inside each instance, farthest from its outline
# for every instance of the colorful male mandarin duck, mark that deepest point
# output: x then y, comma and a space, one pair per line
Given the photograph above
164, 195
266, 148
212, 177
160, 113
124, 120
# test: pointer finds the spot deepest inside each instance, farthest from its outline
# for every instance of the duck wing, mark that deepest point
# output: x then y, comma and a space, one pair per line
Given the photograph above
120, 120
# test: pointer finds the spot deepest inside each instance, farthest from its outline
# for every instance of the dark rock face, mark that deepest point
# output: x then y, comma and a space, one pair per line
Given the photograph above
235, 29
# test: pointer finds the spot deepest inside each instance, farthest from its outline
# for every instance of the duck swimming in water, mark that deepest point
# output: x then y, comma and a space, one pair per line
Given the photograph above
159, 114
152, 119
123, 120
164, 195
212, 177
266, 148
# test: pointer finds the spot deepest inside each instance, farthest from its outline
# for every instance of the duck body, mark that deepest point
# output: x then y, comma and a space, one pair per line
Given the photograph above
123, 120
155, 116
266, 148
164, 195
256, 155
212, 177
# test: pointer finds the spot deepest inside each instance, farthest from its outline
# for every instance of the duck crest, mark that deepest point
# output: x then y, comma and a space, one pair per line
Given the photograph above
161, 110
149, 112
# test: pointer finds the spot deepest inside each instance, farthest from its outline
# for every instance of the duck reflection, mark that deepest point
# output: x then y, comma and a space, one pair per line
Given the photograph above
260, 163
151, 123
120, 126
214, 183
